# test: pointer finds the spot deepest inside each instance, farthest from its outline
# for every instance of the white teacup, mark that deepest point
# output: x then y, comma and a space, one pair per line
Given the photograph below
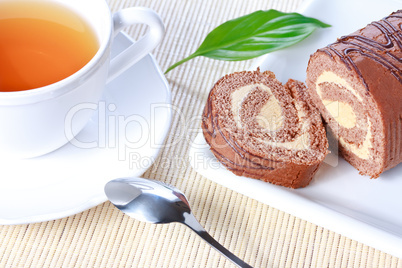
33, 122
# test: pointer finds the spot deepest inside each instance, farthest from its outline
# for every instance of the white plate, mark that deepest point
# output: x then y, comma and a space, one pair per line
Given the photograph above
338, 198
122, 139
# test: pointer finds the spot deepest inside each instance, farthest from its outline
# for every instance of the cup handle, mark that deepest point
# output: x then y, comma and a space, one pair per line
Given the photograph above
144, 45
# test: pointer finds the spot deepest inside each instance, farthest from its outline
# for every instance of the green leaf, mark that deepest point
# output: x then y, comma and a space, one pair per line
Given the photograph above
254, 35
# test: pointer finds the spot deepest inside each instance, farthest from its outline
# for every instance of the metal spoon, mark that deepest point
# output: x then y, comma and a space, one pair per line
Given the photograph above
156, 202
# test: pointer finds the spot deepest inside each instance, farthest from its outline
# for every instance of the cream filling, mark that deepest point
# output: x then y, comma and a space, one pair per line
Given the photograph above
331, 77
343, 113
270, 117
301, 142
362, 151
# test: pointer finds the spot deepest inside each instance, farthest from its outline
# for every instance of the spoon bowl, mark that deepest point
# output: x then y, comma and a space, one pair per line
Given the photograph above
156, 202
148, 201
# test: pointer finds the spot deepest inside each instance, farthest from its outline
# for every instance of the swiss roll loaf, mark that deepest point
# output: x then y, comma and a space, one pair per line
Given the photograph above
356, 83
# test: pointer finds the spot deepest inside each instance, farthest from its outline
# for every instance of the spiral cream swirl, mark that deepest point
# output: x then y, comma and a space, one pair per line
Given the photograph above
344, 114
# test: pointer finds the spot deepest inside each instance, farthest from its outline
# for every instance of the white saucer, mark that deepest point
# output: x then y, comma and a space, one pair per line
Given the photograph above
122, 139
338, 198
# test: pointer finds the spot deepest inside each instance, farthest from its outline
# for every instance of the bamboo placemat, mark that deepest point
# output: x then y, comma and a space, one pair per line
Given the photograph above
261, 235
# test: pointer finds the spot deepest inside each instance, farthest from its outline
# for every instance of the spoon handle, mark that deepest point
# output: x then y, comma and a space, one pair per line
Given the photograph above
194, 225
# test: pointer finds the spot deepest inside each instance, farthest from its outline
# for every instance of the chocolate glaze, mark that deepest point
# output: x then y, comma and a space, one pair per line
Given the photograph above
366, 46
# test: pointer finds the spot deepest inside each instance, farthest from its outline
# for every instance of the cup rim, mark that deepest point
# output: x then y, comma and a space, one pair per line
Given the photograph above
29, 96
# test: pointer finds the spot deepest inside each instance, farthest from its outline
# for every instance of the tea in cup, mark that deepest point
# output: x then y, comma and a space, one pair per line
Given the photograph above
41, 43
55, 55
